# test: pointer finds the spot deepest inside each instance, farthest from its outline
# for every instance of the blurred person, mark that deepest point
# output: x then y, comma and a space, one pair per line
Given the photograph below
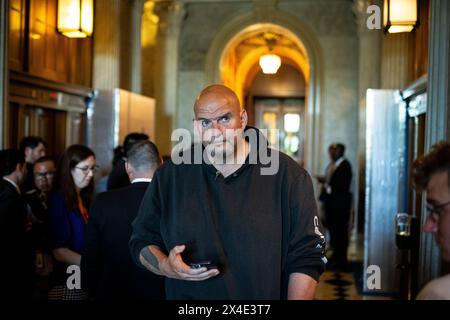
16, 267
337, 202
118, 177
38, 217
108, 272
68, 208
432, 175
33, 148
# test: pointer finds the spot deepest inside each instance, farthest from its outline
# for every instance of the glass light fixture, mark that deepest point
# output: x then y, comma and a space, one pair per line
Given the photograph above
76, 18
399, 15
270, 63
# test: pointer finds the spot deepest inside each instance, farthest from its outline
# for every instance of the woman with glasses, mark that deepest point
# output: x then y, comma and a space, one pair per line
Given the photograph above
68, 208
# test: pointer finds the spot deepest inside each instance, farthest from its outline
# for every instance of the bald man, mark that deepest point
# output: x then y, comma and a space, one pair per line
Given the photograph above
221, 228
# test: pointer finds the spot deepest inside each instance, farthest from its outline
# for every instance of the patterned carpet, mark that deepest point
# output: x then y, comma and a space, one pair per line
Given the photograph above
338, 285
335, 285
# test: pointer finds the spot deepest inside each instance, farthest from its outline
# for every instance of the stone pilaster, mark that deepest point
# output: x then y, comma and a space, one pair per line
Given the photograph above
369, 77
107, 33
170, 18
136, 46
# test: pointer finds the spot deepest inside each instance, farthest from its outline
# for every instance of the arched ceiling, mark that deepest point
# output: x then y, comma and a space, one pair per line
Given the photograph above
240, 60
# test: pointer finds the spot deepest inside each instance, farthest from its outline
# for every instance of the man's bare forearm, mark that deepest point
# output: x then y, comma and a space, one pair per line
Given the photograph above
151, 257
301, 287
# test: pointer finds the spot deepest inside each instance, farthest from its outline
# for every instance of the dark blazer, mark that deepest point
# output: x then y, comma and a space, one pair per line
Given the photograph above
16, 268
340, 197
108, 271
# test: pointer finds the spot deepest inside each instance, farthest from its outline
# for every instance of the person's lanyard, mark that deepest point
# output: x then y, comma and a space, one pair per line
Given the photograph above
83, 211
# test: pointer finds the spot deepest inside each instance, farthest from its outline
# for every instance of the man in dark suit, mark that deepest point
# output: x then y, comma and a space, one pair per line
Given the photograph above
107, 269
16, 267
337, 200
118, 177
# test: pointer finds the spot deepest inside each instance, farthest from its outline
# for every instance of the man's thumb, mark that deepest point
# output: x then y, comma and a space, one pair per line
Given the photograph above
179, 249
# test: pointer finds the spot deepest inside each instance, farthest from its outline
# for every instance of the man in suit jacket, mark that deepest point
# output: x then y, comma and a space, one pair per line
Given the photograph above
107, 269
118, 177
337, 200
16, 267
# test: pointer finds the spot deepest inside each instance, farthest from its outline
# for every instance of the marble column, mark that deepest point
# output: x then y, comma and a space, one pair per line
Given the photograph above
170, 17
136, 66
369, 78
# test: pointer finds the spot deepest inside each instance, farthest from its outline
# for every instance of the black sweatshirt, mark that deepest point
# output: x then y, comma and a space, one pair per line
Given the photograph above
256, 228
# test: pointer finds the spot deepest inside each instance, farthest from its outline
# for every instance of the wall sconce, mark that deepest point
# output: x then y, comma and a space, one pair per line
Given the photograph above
270, 63
76, 18
399, 15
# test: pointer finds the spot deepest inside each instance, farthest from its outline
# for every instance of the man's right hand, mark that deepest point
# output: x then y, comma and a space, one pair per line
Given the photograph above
173, 266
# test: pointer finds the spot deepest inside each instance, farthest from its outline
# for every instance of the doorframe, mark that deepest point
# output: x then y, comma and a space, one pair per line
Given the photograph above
4, 28
302, 112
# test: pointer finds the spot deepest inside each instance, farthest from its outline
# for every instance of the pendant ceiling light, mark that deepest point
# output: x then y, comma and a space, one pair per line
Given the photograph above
76, 18
399, 15
270, 62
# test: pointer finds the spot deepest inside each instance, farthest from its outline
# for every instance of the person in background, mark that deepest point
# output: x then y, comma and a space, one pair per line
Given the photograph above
118, 177
16, 267
108, 271
337, 200
68, 208
33, 148
38, 217
432, 175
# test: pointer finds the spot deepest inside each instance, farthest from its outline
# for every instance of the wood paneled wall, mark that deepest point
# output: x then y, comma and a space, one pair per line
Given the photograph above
405, 55
35, 46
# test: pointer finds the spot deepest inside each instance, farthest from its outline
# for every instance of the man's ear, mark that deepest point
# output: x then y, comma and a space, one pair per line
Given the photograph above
244, 118
197, 130
27, 151
21, 167
128, 168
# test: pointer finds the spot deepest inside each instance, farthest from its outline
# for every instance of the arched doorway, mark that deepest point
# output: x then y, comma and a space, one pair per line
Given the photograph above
233, 60
274, 102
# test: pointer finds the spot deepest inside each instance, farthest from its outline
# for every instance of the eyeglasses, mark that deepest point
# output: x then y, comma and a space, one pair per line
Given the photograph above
223, 120
86, 170
43, 175
435, 210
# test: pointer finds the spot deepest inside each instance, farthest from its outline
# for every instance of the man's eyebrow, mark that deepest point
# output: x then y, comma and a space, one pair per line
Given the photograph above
216, 118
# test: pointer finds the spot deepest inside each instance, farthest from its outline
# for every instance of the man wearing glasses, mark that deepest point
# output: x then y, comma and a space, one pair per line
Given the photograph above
37, 203
431, 174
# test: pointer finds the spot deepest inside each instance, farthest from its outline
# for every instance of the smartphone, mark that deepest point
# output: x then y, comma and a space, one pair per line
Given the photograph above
203, 264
